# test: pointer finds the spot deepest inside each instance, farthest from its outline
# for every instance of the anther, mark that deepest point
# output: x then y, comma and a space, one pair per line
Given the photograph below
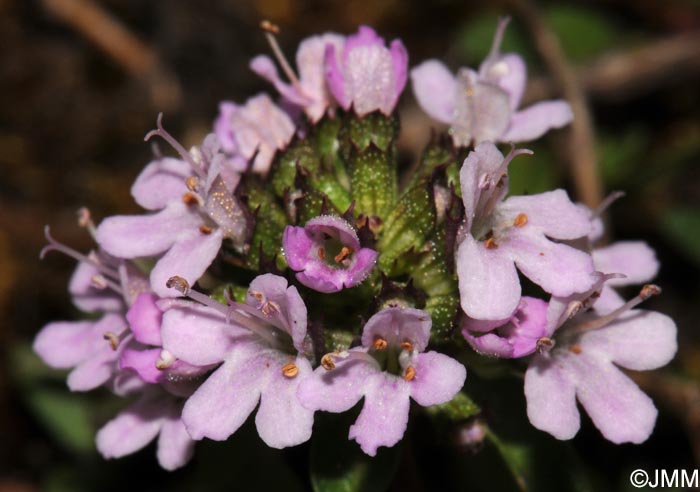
575, 349
191, 182
85, 219
178, 283
490, 243
113, 339
520, 220
204, 229
410, 373
379, 344
649, 290
321, 253
344, 253
268, 26
190, 199
269, 308
544, 344
327, 362
98, 281
290, 370
407, 345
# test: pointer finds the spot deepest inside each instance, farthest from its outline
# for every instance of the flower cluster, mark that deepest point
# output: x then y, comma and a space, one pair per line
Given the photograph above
244, 287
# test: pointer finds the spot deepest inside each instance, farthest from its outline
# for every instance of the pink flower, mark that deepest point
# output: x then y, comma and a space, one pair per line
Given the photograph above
326, 254
366, 75
387, 370
482, 106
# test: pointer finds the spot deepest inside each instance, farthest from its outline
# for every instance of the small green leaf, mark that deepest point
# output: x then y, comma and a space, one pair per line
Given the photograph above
65, 415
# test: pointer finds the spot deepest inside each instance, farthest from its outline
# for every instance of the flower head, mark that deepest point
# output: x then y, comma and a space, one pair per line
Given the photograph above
326, 254
366, 75
482, 106
387, 370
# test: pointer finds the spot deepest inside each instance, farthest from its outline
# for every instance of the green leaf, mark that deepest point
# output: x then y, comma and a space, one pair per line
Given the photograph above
67, 416
339, 465
683, 227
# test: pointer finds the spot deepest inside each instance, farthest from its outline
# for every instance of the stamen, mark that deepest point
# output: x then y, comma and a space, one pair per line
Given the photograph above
544, 344
85, 220
609, 200
98, 281
290, 370
269, 308
520, 220
271, 30
162, 133
490, 243
344, 253
410, 373
379, 344
407, 345
575, 349
91, 260
191, 182
114, 339
190, 199
321, 253
204, 229
327, 362
647, 291
165, 360
498, 37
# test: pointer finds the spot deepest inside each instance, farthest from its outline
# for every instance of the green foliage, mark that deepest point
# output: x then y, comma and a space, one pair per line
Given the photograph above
683, 228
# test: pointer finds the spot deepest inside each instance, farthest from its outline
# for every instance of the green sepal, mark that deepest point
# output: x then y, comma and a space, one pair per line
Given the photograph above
373, 181
326, 183
284, 171
229, 291
324, 136
431, 274
337, 340
270, 221
409, 224
438, 153
458, 409
312, 204
358, 134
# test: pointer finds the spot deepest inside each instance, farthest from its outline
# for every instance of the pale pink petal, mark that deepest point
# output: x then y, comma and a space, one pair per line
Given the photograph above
534, 121
132, 429
339, 389
132, 236
552, 213
86, 296
161, 182
397, 325
198, 335
225, 400
509, 73
399, 60
95, 371
384, 416
634, 259
489, 287
435, 89
263, 66
142, 362
64, 344
638, 340
438, 378
559, 269
281, 420
188, 258
144, 319
551, 398
489, 344
618, 408
369, 78
175, 446
334, 77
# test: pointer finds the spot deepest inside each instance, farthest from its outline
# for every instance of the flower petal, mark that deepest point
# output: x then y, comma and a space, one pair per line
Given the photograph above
162, 181
143, 362
489, 287
175, 446
145, 318
634, 259
435, 89
132, 429
438, 378
384, 416
225, 400
551, 398
86, 296
533, 122
638, 340
281, 420
509, 73
188, 258
397, 325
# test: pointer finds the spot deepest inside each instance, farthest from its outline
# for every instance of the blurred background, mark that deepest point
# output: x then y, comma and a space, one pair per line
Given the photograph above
81, 82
